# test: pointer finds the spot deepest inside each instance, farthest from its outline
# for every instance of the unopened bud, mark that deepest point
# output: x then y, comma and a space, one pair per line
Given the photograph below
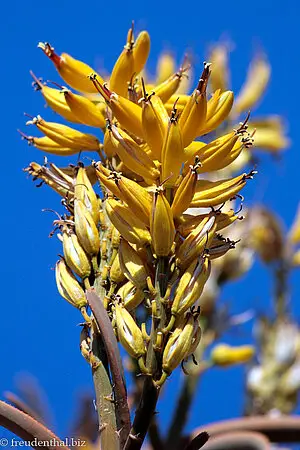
129, 333
132, 265
191, 285
85, 193
197, 240
131, 296
75, 256
162, 227
68, 286
131, 227
178, 345
116, 274
86, 230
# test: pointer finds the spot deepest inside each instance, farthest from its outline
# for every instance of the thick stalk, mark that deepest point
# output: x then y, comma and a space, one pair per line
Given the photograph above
28, 428
109, 439
115, 364
143, 416
18, 403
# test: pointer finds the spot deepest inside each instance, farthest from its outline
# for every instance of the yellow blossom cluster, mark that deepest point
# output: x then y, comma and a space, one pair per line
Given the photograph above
136, 243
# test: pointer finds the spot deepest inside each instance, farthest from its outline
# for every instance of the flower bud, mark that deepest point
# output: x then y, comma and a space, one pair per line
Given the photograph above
141, 51
108, 146
85, 193
74, 254
133, 155
185, 191
257, 79
219, 74
172, 153
73, 72
86, 230
197, 240
218, 109
137, 198
178, 345
66, 136
131, 296
116, 274
132, 265
196, 338
68, 286
84, 109
129, 333
191, 285
130, 227
225, 355
162, 227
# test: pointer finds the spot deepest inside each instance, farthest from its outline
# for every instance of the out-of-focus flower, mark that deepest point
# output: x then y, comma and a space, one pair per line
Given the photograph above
274, 382
226, 355
265, 234
270, 133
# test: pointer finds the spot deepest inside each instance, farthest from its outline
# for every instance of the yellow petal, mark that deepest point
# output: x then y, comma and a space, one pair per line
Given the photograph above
255, 85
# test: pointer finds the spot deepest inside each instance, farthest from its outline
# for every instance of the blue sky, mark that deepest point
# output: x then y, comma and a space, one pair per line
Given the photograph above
39, 332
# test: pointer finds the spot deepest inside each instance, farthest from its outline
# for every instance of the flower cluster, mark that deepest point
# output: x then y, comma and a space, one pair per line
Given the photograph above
136, 243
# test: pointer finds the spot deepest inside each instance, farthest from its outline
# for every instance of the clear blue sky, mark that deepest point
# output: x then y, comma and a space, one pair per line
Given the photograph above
39, 332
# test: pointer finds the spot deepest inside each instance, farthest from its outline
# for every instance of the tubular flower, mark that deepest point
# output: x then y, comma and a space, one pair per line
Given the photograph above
129, 230
225, 355
270, 131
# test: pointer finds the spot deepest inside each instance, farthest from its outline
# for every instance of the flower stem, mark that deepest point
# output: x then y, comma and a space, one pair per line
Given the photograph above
104, 396
143, 416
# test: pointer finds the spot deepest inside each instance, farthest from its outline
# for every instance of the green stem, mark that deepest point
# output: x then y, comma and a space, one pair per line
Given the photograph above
115, 364
109, 439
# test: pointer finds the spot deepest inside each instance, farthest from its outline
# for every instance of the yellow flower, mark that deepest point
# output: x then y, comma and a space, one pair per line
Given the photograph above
137, 241
225, 355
